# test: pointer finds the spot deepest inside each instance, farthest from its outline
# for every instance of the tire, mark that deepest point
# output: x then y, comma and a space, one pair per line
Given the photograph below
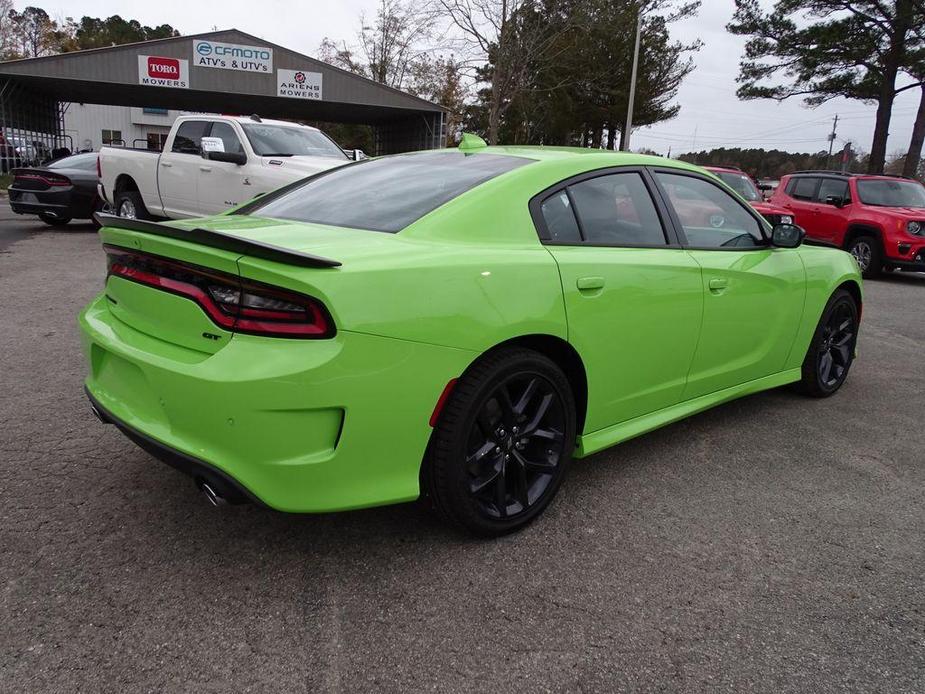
836, 336
484, 470
866, 251
54, 221
130, 205
100, 206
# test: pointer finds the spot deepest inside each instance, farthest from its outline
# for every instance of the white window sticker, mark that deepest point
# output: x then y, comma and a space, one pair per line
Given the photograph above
213, 144
161, 71
233, 56
298, 84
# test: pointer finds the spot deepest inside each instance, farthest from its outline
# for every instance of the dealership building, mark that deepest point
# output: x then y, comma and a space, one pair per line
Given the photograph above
130, 94
90, 126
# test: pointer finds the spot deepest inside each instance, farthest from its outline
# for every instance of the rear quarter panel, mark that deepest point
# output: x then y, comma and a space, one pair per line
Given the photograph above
461, 296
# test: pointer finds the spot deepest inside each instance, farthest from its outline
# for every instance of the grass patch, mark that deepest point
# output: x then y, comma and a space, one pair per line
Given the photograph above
5, 181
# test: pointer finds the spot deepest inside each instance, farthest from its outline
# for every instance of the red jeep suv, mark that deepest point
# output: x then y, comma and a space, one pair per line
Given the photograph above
739, 181
880, 220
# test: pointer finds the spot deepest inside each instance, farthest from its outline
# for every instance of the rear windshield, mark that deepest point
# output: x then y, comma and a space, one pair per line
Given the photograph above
78, 161
886, 193
385, 194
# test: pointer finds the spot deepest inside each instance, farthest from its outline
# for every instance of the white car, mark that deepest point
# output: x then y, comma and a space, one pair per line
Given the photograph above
212, 163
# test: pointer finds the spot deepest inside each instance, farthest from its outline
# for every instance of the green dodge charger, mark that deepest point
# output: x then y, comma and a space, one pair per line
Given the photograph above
454, 324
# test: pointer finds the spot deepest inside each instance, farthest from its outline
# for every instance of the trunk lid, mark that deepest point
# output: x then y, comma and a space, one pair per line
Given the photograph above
161, 314
306, 269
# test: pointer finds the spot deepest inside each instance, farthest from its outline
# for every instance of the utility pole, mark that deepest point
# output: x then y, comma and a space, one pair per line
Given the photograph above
625, 145
828, 159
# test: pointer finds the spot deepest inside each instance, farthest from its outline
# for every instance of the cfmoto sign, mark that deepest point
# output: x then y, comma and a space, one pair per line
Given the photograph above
233, 56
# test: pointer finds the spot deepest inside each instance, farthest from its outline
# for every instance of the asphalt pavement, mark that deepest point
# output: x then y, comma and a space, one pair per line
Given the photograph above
774, 544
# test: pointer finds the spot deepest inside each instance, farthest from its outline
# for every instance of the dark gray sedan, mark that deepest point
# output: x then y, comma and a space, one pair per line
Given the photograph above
59, 191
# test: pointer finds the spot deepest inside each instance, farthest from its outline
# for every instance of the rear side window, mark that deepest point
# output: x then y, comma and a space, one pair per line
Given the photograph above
832, 188
802, 188
188, 139
560, 219
617, 210
385, 194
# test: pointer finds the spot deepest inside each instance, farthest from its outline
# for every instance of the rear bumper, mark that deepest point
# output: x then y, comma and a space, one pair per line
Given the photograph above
38, 208
301, 425
226, 485
56, 203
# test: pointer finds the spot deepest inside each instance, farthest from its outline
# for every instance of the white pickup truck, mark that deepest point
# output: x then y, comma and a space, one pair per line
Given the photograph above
211, 163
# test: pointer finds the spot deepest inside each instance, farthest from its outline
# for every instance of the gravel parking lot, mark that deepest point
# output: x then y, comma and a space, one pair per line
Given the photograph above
775, 544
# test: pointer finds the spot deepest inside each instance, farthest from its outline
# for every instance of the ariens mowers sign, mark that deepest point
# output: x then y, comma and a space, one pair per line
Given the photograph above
160, 71
233, 56
298, 84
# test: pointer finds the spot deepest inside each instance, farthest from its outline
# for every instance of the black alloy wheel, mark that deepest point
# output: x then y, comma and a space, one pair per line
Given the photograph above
515, 445
503, 443
832, 349
835, 348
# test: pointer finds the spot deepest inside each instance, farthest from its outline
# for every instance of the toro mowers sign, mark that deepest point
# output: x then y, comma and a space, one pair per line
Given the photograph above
298, 84
159, 71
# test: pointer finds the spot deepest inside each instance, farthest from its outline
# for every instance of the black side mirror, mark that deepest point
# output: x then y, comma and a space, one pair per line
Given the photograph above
238, 158
835, 200
787, 236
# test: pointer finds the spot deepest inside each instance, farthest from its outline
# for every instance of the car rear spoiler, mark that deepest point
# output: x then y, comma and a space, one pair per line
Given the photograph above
216, 239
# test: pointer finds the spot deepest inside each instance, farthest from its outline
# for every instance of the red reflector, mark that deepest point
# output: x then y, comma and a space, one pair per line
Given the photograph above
441, 401
231, 302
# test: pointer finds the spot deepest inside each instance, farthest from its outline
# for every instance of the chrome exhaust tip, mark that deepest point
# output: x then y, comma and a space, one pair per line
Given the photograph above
211, 495
96, 413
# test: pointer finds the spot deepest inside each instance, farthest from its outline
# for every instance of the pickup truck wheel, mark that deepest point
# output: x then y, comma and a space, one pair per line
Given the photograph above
130, 206
866, 250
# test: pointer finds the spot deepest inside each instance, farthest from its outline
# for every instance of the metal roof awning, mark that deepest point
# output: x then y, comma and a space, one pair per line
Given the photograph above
224, 72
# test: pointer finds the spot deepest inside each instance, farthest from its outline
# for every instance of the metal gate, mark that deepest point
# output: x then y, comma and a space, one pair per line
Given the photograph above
31, 127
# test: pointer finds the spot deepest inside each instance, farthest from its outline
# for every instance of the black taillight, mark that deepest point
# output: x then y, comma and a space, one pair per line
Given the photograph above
232, 302
23, 178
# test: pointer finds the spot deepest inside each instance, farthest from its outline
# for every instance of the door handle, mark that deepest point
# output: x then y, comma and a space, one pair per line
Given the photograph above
205, 168
718, 284
166, 164
588, 284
